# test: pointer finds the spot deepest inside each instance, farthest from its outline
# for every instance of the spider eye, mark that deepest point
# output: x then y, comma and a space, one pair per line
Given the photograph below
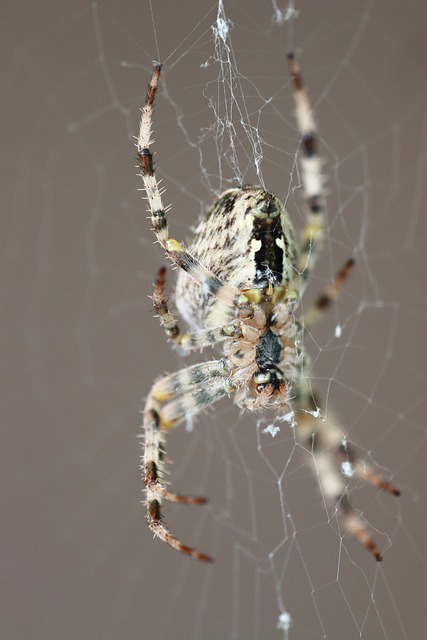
260, 388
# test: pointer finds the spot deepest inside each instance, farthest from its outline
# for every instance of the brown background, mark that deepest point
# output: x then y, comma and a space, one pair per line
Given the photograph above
80, 347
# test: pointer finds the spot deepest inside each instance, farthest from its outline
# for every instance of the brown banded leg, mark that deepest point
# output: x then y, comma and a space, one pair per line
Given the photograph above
328, 296
188, 341
311, 175
172, 399
174, 250
333, 460
156, 492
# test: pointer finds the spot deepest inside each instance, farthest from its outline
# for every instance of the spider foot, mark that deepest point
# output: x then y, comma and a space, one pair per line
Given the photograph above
365, 471
157, 526
356, 527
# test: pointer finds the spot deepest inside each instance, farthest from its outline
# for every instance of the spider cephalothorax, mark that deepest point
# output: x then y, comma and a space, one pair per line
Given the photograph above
268, 356
238, 288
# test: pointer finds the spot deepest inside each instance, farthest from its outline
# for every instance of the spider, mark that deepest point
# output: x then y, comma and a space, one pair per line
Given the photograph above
238, 287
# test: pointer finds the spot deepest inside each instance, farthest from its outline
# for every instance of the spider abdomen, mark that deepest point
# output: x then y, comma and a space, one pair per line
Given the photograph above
246, 240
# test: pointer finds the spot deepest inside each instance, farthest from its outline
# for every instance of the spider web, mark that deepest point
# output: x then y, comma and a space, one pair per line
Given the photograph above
82, 347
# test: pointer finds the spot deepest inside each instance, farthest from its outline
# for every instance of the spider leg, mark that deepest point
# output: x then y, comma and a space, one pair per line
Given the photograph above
171, 400
334, 459
363, 469
188, 342
160, 305
175, 251
328, 296
310, 164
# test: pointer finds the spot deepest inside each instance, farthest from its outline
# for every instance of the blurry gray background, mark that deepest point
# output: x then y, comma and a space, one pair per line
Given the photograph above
80, 346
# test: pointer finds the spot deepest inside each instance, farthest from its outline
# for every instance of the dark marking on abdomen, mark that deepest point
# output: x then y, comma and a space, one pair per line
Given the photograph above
269, 257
